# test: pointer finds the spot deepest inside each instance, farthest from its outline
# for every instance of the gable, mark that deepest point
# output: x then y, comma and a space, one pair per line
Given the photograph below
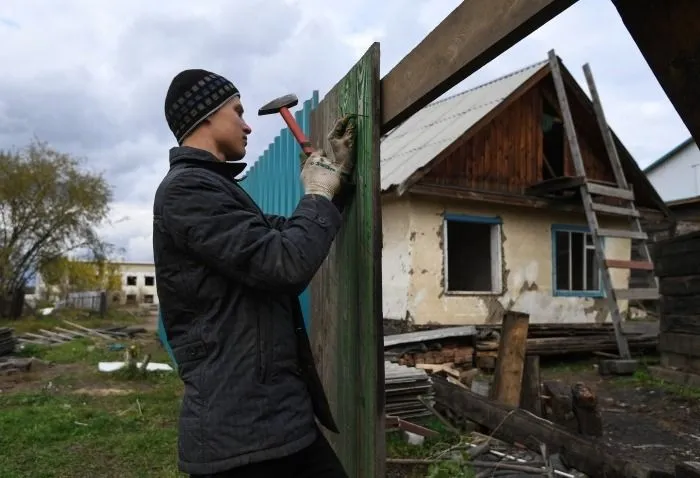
505, 150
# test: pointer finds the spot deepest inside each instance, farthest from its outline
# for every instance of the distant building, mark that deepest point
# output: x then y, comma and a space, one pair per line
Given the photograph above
138, 285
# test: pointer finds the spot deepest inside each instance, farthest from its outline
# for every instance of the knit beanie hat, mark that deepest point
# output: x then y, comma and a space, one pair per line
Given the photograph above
193, 96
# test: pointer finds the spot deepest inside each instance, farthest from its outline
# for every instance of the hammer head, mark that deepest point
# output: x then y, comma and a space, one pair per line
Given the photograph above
274, 106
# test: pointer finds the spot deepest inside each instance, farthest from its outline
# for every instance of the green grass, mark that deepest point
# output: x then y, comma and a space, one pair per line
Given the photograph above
642, 378
80, 317
79, 427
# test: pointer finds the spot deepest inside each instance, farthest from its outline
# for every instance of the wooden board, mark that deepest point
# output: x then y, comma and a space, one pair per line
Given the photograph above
346, 306
668, 37
476, 32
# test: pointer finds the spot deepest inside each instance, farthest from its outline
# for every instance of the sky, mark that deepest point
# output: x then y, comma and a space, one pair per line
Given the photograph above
90, 77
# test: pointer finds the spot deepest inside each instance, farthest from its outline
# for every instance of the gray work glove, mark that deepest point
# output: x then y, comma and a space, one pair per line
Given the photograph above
323, 175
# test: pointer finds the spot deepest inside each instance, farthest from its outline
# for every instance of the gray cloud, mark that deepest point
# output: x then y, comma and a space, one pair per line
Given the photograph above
91, 78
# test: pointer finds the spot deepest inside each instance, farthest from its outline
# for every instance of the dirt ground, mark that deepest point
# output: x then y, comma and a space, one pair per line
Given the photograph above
646, 421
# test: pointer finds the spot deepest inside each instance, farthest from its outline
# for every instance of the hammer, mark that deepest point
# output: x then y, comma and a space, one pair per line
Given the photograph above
281, 105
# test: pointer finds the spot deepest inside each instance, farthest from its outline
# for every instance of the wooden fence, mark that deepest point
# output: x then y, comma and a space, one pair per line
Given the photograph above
677, 264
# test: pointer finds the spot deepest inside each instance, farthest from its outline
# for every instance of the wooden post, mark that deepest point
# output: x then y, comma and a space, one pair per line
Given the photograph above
511, 359
346, 296
531, 393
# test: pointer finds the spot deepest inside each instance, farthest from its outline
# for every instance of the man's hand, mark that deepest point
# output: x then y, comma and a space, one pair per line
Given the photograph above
322, 175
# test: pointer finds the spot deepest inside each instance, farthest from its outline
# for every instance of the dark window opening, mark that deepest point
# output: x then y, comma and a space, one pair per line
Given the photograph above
149, 280
470, 257
552, 143
130, 280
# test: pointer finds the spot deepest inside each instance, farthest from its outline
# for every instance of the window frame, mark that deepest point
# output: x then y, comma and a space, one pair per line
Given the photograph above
599, 293
496, 224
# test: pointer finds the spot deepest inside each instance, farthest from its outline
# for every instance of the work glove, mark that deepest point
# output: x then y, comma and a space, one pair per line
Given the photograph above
324, 176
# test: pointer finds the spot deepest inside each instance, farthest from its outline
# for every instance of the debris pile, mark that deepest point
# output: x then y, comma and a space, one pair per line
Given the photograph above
404, 389
7, 341
12, 365
61, 335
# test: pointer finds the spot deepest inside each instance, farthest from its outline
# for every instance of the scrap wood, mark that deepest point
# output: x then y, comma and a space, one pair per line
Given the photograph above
515, 425
89, 331
394, 422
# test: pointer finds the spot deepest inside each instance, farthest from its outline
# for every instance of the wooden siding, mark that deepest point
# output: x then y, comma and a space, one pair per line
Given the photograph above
506, 155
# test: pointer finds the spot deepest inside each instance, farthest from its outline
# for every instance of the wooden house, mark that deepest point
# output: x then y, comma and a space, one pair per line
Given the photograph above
481, 209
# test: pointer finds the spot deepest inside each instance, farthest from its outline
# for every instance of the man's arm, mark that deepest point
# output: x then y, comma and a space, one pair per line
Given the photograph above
217, 228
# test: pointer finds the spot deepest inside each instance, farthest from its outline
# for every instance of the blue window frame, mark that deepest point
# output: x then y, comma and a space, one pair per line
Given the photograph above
575, 271
472, 255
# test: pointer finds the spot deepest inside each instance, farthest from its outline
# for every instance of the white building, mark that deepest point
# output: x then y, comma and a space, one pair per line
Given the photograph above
676, 175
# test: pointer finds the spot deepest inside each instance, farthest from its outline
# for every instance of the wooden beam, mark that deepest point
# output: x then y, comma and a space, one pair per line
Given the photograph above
667, 34
346, 295
518, 426
476, 32
512, 347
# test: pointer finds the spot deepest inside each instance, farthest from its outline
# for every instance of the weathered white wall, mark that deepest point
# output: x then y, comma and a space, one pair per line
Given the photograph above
679, 176
396, 257
527, 264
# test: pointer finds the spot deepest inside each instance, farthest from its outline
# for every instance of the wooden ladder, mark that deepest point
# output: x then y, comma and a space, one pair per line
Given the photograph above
623, 192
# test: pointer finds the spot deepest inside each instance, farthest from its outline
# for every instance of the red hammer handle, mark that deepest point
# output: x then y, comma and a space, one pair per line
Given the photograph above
296, 131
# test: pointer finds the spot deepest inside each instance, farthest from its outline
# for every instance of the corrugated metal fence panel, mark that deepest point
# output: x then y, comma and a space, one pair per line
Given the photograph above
273, 181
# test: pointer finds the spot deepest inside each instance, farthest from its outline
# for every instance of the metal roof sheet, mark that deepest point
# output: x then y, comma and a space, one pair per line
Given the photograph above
422, 137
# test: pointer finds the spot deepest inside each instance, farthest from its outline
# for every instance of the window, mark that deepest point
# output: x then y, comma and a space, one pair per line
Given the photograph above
472, 254
131, 298
575, 268
130, 280
149, 280
148, 299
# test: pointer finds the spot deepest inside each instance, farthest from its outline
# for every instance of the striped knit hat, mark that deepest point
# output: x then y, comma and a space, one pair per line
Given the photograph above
193, 96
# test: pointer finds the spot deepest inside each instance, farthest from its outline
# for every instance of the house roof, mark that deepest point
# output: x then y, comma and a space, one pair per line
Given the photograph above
422, 137
663, 159
419, 140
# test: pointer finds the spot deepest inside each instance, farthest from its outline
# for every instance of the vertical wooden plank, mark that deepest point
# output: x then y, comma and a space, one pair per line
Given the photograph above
508, 378
531, 393
346, 292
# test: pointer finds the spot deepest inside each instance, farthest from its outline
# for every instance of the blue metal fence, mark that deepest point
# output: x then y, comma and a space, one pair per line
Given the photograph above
273, 181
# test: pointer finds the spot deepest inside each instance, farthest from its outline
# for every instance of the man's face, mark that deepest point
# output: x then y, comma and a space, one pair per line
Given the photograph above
229, 130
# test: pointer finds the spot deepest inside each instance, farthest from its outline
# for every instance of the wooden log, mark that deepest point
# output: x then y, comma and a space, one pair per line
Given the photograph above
510, 363
346, 300
680, 324
688, 469
518, 426
531, 393
473, 34
585, 406
559, 405
680, 285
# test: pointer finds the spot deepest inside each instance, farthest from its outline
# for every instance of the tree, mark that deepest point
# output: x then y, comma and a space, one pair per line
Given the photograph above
49, 207
66, 275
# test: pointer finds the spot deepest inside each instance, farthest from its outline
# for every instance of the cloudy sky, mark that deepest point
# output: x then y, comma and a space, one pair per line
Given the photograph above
90, 76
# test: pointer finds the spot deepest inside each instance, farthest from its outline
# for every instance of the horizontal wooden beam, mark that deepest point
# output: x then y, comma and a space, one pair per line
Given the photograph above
476, 32
668, 37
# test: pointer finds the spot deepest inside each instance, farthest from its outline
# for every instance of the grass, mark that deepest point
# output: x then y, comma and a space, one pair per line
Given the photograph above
642, 378
75, 421
80, 317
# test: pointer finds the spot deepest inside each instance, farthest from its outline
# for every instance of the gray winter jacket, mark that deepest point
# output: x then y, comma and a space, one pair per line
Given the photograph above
228, 279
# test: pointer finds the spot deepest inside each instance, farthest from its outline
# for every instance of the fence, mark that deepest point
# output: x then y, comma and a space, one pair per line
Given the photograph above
273, 181
90, 300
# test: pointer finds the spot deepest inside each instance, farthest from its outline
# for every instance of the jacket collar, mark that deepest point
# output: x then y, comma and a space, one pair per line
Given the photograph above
200, 157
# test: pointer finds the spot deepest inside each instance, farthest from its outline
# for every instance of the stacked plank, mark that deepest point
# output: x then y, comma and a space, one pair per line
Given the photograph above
562, 339
405, 387
677, 264
61, 335
7, 341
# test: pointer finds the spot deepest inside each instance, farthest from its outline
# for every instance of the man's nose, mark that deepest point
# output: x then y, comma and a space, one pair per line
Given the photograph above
246, 128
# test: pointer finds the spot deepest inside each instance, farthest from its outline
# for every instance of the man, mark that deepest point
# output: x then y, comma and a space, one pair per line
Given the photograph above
228, 281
